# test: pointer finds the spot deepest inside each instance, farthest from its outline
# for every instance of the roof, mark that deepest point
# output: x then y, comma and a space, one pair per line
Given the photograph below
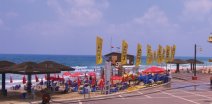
31, 68
4, 65
193, 61
178, 61
52, 64
109, 54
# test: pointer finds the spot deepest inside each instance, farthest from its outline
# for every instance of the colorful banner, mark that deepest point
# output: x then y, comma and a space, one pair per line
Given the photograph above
167, 53
173, 50
124, 52
99, 42
163, 55
160, 49
138, 56
149, 55
155, 56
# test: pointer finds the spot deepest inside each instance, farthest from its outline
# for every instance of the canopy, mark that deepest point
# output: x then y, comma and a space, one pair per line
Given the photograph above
77, 74
154, 69
67, 74
116, 78
52, 64
177, 61
4, 65
192, 61
91, 74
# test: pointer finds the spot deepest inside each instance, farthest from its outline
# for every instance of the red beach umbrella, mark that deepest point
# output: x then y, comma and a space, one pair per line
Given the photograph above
67, 74
36, 78
11, 79
91, 74
45, 77
24, 79
116, 78
76, 74
154, 70
78, 81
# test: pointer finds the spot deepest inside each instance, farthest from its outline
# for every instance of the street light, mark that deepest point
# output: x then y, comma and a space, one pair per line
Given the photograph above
195, 61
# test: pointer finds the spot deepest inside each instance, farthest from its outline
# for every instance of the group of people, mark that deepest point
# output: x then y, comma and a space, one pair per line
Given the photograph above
150, 78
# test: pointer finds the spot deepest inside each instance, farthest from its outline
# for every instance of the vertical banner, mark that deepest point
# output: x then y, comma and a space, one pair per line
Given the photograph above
173, 50
149, 54
99, 42
160, 49
124, 52
167, 53
155, 56
163, 55
138, 56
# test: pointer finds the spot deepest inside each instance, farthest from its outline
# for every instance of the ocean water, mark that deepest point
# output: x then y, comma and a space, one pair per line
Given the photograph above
80, 62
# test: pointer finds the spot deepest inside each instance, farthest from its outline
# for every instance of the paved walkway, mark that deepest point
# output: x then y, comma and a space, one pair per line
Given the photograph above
181, 90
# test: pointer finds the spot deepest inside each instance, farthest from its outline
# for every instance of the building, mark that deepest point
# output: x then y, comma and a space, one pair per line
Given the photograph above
115, 58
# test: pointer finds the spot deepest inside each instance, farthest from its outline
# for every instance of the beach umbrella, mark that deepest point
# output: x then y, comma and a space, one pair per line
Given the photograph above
3, 70
78, 82
11, 79
77, 74
36, 78
116, 78
56, 65
177, 62
24, 79
192, 62
67, 74
91, 74
101, 83
154, 70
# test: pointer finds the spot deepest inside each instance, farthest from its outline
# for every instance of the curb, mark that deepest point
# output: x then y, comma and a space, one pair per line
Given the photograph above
100, 97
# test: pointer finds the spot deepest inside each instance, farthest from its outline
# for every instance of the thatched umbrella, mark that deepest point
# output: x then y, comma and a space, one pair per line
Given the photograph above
177, 62
30, 68
3, 71
192, 62
54, 65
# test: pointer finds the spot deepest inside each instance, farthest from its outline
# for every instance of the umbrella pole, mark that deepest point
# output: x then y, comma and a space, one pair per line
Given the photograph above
3, 84
48, 80
29, 83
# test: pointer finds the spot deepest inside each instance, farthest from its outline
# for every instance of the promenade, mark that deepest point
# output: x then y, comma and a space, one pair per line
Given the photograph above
181, 90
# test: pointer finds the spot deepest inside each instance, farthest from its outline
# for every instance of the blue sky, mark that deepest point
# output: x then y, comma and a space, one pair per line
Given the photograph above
71, 26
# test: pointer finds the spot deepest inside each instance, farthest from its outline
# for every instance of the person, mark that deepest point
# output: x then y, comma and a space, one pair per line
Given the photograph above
211, 80
169, 75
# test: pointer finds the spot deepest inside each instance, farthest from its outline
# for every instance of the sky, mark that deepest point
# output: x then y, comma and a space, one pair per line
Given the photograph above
70, 27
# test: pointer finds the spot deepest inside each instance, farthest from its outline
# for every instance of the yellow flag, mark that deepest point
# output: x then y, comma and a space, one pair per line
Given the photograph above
159, 60
163, 55
167, 53
124, 52
138, 56
99, 42
149, 55
173, 50
155, 56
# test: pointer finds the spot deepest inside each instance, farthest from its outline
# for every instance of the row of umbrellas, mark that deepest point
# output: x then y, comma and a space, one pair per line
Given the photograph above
30, 68
79, 74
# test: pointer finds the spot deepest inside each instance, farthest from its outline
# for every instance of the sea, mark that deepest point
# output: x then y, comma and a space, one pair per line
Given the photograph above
79, 62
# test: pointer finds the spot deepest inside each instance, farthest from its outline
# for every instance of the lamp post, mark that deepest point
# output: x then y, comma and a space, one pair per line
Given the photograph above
195, 62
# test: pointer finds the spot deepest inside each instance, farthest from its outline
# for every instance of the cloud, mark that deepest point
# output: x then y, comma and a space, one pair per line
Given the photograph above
196, 10
79, 12
153, 17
